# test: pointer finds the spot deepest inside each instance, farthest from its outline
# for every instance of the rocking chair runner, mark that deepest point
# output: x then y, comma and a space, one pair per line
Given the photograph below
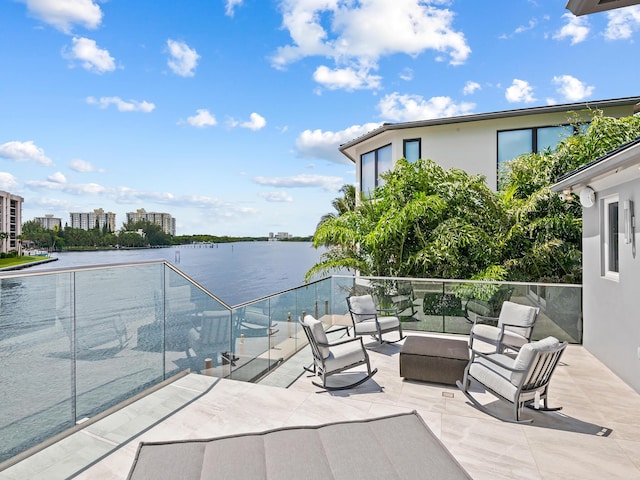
520, 381
333, 358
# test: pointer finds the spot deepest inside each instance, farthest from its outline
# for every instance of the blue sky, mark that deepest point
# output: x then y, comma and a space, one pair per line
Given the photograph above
228, 114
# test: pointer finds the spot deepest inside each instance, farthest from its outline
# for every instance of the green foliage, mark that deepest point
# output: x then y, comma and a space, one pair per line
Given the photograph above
425, 221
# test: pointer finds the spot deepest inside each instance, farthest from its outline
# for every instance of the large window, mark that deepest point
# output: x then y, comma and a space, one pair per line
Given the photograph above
411, 149
372, 165
610, 238
512, 143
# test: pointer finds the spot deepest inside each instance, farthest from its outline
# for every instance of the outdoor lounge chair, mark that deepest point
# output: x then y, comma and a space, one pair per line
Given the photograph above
334, 358
367, 320
212, 337
520, 381
514, 327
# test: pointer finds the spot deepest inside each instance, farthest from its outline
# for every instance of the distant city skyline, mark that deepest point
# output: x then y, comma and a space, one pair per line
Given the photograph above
229, 114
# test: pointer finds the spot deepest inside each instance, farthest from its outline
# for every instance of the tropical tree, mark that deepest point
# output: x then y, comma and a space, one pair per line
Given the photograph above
424, 221
341, 205
544, 241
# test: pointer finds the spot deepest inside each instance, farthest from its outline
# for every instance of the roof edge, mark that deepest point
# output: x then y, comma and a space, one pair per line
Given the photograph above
617, 102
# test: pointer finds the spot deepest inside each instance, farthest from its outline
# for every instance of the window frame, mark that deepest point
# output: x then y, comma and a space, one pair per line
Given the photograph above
608, 236
376, 164
404, 148
534, 140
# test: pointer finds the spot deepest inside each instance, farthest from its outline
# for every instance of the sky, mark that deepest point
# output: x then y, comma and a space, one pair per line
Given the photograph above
228, 114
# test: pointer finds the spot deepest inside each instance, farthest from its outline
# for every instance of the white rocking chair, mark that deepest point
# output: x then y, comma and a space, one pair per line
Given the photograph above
520, 381
333, 358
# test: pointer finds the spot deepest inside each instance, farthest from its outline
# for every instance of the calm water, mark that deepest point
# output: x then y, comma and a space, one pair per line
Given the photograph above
234, 272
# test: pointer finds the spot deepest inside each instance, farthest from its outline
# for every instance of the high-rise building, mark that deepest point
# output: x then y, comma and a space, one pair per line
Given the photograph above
10, 221
165, 220
49, 222
89, 220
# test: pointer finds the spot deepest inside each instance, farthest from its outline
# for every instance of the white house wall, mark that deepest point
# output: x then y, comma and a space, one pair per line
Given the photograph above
612, 308
470, 146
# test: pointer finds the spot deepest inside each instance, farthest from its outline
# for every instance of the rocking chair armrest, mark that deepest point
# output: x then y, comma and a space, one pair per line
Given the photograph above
475, 353
483, 319
516, 325
387, 310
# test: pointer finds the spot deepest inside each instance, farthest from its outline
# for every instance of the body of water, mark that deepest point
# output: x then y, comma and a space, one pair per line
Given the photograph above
235, 272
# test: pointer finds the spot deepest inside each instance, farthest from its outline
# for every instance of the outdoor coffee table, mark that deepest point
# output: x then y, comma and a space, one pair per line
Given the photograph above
434, 359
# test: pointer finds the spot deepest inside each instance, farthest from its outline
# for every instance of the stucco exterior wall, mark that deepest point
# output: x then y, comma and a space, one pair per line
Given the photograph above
469, 145
612, 308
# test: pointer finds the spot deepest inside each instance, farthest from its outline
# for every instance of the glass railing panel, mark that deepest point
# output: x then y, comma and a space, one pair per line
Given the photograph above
198, 328
254, 328
36, 364
111, 307
451, 306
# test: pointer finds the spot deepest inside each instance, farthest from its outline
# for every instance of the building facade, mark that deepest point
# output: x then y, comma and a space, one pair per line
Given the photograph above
609, 192
478, 144
10, 222
89, 220
49, 222
165, 220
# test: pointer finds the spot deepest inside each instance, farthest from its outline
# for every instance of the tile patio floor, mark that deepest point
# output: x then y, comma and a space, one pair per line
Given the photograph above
569, 444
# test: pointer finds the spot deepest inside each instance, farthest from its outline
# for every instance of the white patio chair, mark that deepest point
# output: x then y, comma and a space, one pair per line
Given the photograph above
369, 320
520, 381
334, 358
514, 327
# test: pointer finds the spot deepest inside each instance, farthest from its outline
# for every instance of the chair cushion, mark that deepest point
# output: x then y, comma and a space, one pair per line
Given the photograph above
516, 314
343, 355
368, 327
363, 305
527, 352
320, 336
493, 376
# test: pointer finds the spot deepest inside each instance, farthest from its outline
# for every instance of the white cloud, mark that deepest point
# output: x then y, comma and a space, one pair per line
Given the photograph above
57, 177
357, 34
302, 181
520, 91
255, 122
121, 105
7, 181
202, 118
92, 58
471, 87
24, 152
346, 78
407, 108
183, 60
621, 23
571, 88
324, 144
277, 196
230, 7
83, 166
576, 28
63, 14
406, 74
70, 188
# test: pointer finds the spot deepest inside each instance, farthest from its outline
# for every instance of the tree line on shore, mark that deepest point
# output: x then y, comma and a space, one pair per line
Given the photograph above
139, 234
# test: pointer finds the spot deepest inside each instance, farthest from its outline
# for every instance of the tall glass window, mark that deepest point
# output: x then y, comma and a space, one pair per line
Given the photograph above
550, 137
512, 143
373, 164
411, 149
610, 237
